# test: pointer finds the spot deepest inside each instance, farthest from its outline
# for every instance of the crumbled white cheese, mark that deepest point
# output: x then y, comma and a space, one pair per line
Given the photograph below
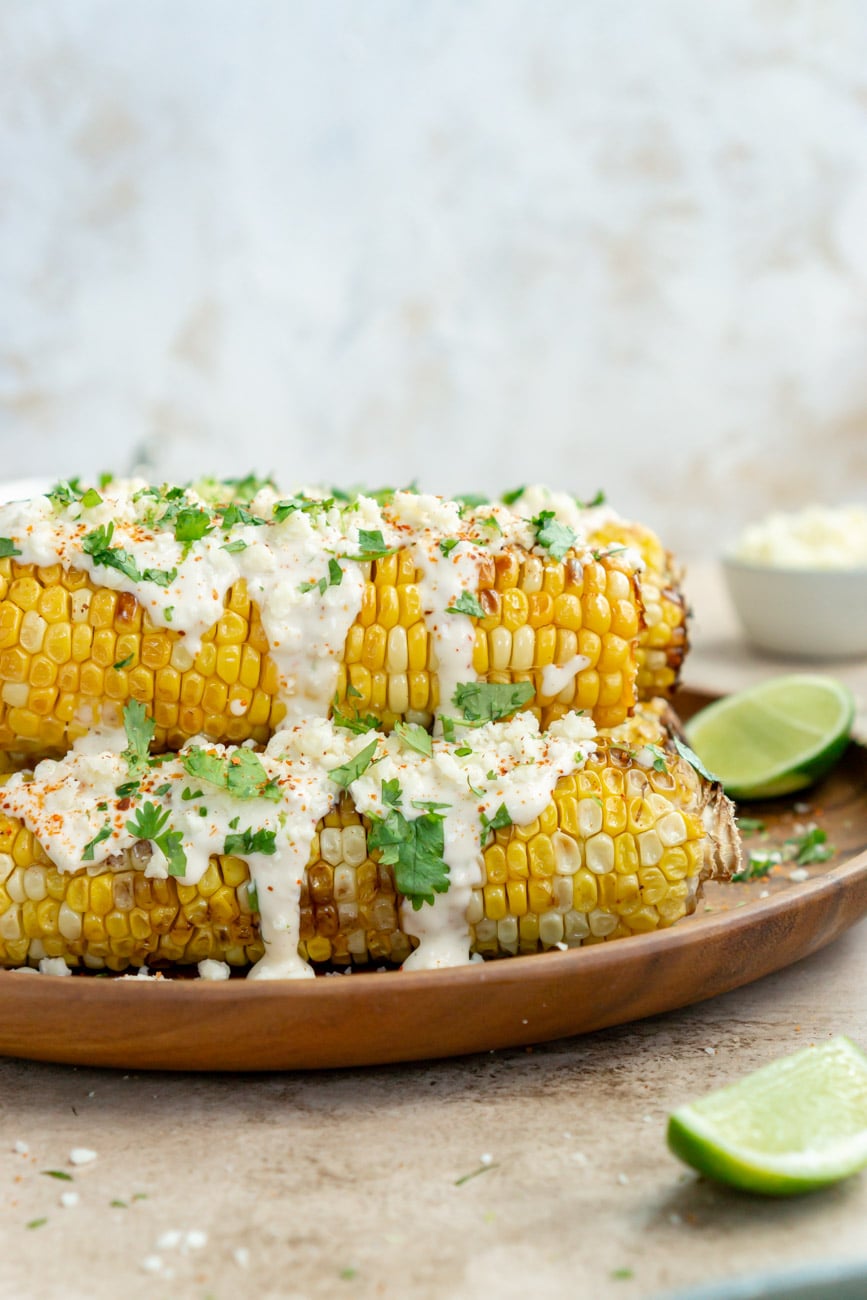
817, 537
53, 966
81, 1156
214, 970
69, 1200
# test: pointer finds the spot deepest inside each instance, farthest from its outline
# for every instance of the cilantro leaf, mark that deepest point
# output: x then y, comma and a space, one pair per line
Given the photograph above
334, 579
448, 544
234, 547
139, 734
250, 841
234, 514
373, 546
758, 865
8, 548
471, 499
509, 498
246, 488
693, 759
97, 545
192, 524
88, 850
241, 773
415, 850
467, 603
659, 763
151, 823
491, 701
91, 498
391, 793
414, 736
64, 493
123, 663
499, 820
348, 772
597, 500
358, 723
750, 825
555, 537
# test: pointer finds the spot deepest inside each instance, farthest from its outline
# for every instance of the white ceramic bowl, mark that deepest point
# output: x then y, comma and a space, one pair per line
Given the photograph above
800, 613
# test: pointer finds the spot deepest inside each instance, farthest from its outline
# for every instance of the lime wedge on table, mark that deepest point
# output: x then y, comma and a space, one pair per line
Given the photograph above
776, 737
793, 1126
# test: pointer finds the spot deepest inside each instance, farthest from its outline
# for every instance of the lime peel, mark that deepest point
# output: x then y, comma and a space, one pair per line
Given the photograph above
793, 1126
776, 737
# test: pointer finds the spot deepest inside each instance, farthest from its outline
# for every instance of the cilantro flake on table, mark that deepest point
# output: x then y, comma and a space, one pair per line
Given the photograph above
554, 537
812, 846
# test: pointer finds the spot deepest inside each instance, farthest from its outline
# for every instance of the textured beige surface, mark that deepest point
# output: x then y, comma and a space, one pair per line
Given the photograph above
347, 1183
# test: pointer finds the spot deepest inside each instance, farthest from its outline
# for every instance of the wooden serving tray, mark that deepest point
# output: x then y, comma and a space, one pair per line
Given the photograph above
739, 933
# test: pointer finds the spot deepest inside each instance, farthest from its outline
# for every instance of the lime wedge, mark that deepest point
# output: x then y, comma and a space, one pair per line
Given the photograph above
774, 738
793, 1126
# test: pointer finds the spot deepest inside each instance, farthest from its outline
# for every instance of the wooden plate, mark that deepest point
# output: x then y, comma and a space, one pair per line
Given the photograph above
739, 933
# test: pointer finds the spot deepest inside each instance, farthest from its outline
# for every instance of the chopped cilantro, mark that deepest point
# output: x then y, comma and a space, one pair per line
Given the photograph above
87, 851
509, 498
348, 772
491, 522
241, 773
373, 545
448, 544
91, 498
414, 736
499, 820
234, 547
104, 479
482, 1169
359, 723
391, 793
233, 514
659, 760
246, 488
8, 548
64, 493
123, 663
471, 500
169, 613
139, 733
151, 823
187, 794
233, 824
163, 789
98, 546
60, 1174
758, 865
252, 896
127, 789
334, 579
467, 603
192, 524
250, 841
812, 847
556, 538
118, 1204
597, 500
415, 850
37, 1223
750, 825
693, 759
491, 701
463, 751
430, 805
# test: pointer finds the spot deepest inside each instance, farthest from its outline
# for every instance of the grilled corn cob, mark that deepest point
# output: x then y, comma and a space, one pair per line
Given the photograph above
621, 849
73, 651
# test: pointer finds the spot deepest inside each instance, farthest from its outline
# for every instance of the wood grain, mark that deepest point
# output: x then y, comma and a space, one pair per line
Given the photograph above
736, 936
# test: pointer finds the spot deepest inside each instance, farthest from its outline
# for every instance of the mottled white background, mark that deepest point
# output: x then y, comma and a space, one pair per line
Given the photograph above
472, 242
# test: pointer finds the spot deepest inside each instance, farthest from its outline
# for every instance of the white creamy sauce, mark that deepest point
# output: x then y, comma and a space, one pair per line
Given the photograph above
556, 677
511, 764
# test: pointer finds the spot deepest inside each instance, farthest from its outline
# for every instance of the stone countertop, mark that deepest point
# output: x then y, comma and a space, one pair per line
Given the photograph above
354, 1182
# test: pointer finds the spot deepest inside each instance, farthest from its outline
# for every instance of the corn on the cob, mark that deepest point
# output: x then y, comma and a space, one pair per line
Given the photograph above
73, 653
621, 849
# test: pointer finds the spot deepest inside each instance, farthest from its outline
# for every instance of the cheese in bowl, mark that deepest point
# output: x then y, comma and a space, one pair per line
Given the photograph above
799, 582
